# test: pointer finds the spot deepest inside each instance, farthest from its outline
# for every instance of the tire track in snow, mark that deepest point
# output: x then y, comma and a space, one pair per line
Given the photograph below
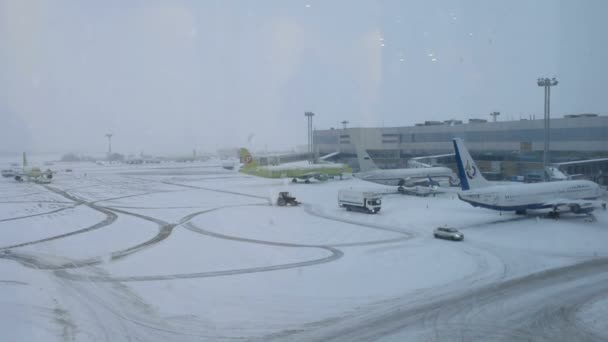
110, 218
12, 282
216, 190
38, 214
205, 188
35, 201
164, 231
571, 315
335, 253
498, 311
23, 195
481, 273
152, 208
190, 226
138, 320
309, 209
41, 262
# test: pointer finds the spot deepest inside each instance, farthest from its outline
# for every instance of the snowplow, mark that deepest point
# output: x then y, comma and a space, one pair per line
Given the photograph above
286, 199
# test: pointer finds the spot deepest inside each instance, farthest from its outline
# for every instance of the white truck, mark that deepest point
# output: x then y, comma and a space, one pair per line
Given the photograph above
360, 200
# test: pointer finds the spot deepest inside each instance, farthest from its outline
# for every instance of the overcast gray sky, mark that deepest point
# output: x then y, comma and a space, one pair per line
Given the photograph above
169, 76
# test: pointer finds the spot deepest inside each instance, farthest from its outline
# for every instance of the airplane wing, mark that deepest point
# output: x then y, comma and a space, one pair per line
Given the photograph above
435, 156
327, 156
417, 162
416, 181
418, 190
576, 206
310, 175
426, 181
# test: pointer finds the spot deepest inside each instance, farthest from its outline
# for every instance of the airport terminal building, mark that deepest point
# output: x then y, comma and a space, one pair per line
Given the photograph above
505, 147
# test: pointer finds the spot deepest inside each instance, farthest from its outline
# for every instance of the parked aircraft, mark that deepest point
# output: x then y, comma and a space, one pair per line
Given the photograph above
32, 173
399, 177
577, 196
295, 171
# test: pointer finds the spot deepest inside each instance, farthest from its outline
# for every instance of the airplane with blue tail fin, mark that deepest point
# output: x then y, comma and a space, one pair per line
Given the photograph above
577, 196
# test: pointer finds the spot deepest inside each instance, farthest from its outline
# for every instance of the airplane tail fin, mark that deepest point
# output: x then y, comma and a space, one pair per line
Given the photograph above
365, 162
247, 159
468, 172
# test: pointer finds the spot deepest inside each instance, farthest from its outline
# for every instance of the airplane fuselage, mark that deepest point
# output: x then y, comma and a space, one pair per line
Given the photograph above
518, 197
32, 172
408, 176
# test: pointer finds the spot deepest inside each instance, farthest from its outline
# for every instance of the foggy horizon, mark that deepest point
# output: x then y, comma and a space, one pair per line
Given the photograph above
170, 77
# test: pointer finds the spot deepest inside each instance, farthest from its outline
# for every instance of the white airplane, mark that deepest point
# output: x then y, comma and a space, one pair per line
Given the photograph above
399, 177
33, 173
577, 196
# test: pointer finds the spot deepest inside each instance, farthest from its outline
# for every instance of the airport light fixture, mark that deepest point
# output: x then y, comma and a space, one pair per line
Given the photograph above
309, 116
109, 136
344, 127
494, 115
547, 83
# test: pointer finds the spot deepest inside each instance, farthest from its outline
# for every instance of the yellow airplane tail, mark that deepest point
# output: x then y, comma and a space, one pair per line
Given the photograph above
247, 159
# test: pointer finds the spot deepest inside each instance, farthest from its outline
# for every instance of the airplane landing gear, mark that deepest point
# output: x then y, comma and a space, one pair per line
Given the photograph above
590, 218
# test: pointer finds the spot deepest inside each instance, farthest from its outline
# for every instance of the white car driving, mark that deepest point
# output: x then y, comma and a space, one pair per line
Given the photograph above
448, 234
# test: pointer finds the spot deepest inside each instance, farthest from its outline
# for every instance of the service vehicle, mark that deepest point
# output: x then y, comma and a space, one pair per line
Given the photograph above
286, 199
360, 200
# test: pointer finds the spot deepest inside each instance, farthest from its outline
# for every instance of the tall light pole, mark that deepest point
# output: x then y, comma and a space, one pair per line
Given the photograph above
344, 124
309, 116
494, 115
547, 84
109, 136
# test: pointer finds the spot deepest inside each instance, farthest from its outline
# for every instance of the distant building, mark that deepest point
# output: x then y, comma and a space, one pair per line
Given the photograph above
573, 137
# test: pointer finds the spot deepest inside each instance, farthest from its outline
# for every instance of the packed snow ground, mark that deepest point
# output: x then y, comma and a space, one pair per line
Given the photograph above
189, 252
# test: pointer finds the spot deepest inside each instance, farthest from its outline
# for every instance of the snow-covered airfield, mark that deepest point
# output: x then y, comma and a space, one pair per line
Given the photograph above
191, 252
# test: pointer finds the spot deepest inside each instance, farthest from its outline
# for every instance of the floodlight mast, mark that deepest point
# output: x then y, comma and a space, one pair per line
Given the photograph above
109, 136
344, 127
547, 84
309, 116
